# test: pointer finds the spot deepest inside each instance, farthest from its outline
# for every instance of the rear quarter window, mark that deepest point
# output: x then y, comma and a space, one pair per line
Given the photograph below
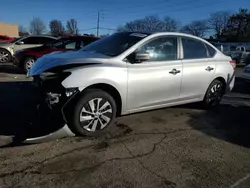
211, 51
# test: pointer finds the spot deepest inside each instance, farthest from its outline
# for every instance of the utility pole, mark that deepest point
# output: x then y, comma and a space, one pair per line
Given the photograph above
100, 13
98, 24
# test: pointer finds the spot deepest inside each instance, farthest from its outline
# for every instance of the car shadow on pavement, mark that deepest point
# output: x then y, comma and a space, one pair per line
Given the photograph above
10, 69
230, 120
227, 122
242, 86
18, 113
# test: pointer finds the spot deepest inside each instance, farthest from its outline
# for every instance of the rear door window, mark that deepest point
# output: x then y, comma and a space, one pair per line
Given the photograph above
31, 40
193, 49
46, 40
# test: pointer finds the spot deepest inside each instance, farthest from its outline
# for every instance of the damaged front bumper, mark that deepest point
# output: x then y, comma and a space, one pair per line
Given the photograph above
54, 101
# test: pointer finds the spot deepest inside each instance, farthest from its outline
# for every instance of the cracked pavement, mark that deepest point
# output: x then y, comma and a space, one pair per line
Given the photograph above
178, 147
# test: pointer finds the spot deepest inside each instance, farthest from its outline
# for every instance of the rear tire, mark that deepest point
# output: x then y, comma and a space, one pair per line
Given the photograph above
28, 63
93, 114
214, 94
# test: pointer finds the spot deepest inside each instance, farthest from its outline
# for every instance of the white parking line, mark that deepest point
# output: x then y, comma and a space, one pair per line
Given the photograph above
240, 181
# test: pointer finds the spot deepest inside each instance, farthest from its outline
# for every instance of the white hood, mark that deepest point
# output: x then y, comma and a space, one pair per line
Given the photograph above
56, 59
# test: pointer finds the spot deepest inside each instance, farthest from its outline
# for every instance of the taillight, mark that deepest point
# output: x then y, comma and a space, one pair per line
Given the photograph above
233, 63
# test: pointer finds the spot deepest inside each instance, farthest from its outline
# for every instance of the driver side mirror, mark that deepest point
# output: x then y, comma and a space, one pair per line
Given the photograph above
139, 56
19, 42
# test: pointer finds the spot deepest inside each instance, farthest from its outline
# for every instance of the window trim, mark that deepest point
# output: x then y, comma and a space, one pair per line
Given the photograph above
204, 44
155, 38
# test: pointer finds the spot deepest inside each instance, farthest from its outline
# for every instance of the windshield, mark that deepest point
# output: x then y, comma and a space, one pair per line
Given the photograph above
16, 39
115, 44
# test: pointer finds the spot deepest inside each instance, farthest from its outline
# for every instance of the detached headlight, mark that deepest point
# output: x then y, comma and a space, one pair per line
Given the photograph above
71, 91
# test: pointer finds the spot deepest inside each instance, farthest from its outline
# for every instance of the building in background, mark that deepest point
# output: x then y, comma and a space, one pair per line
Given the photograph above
9, 29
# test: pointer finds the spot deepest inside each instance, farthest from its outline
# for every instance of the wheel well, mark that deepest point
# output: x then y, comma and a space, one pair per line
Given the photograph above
25, 57
222, 80
28, 56
112, 91
3, 49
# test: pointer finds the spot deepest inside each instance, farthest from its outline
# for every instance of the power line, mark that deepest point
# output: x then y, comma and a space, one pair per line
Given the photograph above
93, 28
108, 28
190, 5
185, 6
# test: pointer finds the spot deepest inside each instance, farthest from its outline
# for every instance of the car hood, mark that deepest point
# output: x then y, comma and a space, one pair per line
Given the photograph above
56, 59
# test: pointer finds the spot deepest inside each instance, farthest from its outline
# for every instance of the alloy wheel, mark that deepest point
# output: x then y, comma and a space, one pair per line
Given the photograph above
215, 94
96, 114
29, 64
4, 56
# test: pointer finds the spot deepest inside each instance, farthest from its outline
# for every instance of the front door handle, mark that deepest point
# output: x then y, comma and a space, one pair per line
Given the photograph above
209, 68
174, 71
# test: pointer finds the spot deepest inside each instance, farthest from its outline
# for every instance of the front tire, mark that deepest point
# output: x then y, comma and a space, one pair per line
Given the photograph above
28, 63
5, 56
93, 113
214, 94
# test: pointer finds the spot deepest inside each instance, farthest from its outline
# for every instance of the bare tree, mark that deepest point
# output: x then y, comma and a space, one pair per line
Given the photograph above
197, 28
238, 26
134, 26
56, 27
153, 24
171, 24
21, 28
218, 22
72, 27
22, 31
37, 26
147, 24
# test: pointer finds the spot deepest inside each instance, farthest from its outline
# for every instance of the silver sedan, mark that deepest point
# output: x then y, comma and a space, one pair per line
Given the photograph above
131, 72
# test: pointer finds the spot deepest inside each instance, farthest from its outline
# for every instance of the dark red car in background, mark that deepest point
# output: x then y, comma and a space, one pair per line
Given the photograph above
27, 57
4, 38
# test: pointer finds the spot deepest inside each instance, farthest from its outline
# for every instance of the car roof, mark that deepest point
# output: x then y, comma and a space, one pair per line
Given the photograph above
49, 36
164, 33
79, 37
155, 34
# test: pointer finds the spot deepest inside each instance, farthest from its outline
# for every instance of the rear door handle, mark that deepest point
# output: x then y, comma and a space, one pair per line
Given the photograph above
174, 71
209, 68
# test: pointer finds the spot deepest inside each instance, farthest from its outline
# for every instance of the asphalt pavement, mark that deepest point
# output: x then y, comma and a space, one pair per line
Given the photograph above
178, 147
